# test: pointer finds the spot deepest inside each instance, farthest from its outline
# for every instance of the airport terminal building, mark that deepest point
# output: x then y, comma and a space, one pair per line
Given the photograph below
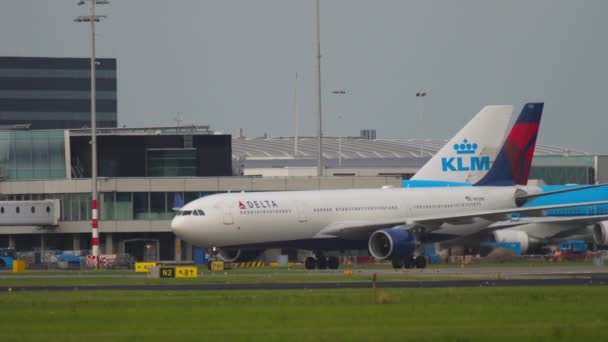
145, 172
360, 156
48, 93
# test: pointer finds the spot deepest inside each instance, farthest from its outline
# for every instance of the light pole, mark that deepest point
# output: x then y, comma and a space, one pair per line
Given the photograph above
92, 18
295, 112
420, 95
339, 92
319, 117
339, 142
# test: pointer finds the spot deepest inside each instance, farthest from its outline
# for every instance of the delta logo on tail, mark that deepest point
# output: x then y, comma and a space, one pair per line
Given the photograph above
512, 165
464, 162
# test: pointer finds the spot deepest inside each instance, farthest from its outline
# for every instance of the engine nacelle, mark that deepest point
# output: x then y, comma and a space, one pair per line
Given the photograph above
600, 233
391, 243
229, 255
513, 236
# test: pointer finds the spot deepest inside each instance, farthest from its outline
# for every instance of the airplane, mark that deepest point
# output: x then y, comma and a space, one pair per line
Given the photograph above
589, 223
391, 222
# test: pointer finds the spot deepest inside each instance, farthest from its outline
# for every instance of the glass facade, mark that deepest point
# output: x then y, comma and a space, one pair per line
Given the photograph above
116, 206
171, 162
554, 170
552, 175
55, 93
32, 155
141, 206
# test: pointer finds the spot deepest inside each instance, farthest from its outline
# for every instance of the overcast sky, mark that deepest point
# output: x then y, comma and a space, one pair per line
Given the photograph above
232, 64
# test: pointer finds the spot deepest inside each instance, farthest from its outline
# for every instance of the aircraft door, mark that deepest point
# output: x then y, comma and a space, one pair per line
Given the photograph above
301, 208
228, 219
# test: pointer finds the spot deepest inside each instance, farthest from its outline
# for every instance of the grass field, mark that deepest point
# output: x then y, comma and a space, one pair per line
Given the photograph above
469, 314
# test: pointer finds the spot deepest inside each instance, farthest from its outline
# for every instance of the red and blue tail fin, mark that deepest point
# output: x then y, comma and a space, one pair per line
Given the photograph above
512, 165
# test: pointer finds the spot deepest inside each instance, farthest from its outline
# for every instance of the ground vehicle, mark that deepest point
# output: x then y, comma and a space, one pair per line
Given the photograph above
7, 255
571, 250
573, 247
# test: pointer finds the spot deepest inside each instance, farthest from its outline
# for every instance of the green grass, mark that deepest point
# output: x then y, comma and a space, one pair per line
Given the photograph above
470, 314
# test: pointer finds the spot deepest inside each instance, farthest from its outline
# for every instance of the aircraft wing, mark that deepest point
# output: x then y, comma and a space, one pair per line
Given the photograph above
358, 230
362, 229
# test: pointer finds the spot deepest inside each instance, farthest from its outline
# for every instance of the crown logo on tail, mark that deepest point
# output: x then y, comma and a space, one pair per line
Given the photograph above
466, 147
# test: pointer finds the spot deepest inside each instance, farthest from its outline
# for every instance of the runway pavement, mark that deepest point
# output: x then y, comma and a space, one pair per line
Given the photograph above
496, 271
493, 277
582, 281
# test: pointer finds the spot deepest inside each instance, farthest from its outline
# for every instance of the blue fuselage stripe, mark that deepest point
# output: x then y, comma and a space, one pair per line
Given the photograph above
587, 195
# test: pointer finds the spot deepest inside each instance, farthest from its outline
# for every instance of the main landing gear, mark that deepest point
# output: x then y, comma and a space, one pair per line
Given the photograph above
322, 262
409, 262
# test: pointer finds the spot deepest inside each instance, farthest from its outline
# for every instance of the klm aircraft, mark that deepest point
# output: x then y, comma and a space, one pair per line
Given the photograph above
589, 223
461, 157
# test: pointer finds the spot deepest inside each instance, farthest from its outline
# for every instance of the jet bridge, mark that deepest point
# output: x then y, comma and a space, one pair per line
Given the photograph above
30, 213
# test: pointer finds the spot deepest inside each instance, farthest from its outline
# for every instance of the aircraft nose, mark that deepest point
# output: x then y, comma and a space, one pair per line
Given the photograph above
191, 228
183, 227
179, 228
175, 226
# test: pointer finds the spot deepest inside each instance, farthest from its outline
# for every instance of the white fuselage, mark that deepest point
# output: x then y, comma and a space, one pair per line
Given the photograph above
245, 219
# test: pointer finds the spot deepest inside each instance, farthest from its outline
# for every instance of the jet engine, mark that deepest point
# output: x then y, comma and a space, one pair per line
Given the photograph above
229, 255
600, 233
513, 236
391, 243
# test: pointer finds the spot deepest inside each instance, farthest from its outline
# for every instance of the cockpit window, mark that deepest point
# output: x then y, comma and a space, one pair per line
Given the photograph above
196, 212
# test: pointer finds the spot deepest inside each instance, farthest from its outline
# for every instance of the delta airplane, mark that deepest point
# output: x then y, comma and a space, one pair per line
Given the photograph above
391, 222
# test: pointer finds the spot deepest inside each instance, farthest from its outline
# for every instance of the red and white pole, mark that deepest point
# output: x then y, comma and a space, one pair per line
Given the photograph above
92, 18
95, 233
94, 226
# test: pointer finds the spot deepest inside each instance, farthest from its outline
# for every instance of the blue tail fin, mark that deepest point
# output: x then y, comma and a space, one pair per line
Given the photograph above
178, 201
512, 165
